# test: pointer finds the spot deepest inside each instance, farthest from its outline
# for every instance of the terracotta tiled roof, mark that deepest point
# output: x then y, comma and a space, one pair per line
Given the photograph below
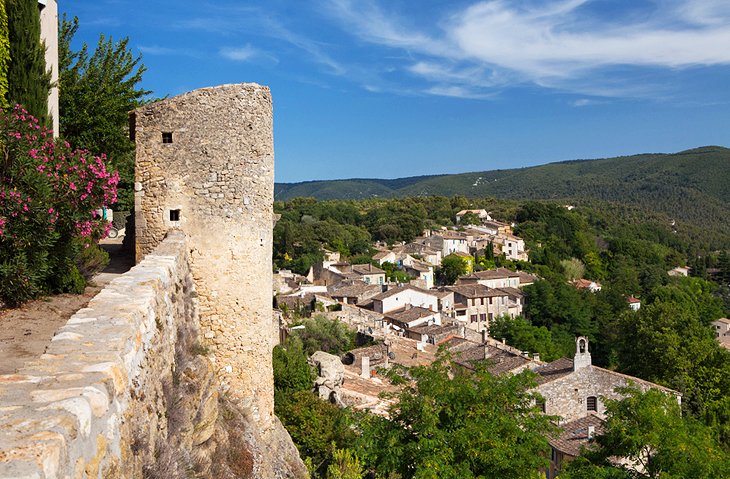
366, 269
475, 291
382, 254
410, 314
564, 366
633, 300
554, 370
575, 435
399, 289
355, 290
526, 277
498, 360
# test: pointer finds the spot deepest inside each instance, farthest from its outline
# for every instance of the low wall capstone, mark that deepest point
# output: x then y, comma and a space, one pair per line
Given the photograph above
94, 404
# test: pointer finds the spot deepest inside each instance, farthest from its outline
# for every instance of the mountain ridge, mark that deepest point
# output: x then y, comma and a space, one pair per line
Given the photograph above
691, 185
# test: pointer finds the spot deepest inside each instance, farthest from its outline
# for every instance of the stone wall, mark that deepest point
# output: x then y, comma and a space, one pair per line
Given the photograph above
127, 390
567, 396
95, 405
205, 165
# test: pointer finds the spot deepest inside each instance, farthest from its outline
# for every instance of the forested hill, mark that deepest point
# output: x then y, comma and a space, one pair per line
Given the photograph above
692, 185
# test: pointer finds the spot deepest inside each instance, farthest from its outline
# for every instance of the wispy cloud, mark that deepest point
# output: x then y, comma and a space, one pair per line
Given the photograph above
564, 44
166, 51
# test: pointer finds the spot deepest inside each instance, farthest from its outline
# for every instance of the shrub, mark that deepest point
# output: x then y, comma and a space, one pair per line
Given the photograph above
48, 198
91, 260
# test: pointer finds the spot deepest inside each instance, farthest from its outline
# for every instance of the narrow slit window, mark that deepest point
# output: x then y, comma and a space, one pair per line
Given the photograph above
166, 137
174, 215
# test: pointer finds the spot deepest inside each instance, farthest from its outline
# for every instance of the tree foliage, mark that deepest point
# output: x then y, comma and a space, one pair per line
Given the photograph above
452, 266
4, 56
323, 334
647, 430
449, 424
28, 79
97, 92
48, 198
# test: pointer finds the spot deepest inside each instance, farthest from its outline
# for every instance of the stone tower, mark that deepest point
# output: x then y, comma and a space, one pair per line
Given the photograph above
205, 165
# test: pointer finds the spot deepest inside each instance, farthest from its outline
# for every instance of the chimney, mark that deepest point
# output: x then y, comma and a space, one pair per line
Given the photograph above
462, 331
365, 367
591, 432
536, 356
484, 336
526, 354
504, 340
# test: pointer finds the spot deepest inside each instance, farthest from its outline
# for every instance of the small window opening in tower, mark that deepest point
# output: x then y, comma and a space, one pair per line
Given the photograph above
592, 403
166, 137
582, 346
174, 215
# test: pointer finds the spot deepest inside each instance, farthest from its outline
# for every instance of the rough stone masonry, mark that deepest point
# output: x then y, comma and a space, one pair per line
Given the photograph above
205, 165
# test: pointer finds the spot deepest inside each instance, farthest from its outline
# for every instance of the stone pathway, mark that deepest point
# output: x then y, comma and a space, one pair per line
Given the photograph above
25, 332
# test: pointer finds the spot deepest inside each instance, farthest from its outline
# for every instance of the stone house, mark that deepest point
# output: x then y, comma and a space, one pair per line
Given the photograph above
495, 227
369, 274
722, 331
722, 327
420, 270
679, 271
592, 286
400, 296
493, 278
481, 214
634, 303
574, 388
448, 242
408, 317
476, 304
430, 255
574, 436
355, 292
513, 247
433, 333
385, 257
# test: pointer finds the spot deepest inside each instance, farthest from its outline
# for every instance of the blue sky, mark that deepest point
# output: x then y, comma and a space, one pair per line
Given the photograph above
393, 88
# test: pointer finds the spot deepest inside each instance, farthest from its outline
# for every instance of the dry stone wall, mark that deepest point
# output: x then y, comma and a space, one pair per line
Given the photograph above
95, 404
205, 166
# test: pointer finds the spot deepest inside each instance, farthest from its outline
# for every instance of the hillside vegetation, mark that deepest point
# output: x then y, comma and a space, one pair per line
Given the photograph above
692, 186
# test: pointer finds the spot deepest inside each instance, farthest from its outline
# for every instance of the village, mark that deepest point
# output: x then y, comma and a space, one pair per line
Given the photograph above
411, 322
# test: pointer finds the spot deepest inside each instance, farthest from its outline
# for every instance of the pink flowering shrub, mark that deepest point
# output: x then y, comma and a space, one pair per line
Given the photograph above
48, 197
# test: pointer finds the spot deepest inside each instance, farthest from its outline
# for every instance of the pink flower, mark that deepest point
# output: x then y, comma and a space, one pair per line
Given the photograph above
72, 185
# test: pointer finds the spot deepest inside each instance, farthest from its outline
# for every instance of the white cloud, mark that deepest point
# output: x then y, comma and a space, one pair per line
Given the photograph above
562, 44
247, 53
582, 102
165, 51
239, 54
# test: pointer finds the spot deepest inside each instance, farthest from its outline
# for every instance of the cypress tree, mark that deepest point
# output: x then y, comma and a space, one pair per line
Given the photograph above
28, 80
4, 56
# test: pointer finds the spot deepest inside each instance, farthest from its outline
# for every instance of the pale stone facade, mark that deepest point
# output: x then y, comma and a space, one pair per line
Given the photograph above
49, 36
574, 388
205, 165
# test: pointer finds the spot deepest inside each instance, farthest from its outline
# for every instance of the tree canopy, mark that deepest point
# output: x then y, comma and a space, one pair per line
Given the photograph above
28, 79
459, 425
647, 432
97, 92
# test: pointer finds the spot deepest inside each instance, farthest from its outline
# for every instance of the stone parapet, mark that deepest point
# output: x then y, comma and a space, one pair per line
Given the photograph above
94, 404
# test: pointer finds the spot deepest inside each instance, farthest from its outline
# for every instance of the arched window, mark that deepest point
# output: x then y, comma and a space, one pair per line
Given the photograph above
592, 403
582, 346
